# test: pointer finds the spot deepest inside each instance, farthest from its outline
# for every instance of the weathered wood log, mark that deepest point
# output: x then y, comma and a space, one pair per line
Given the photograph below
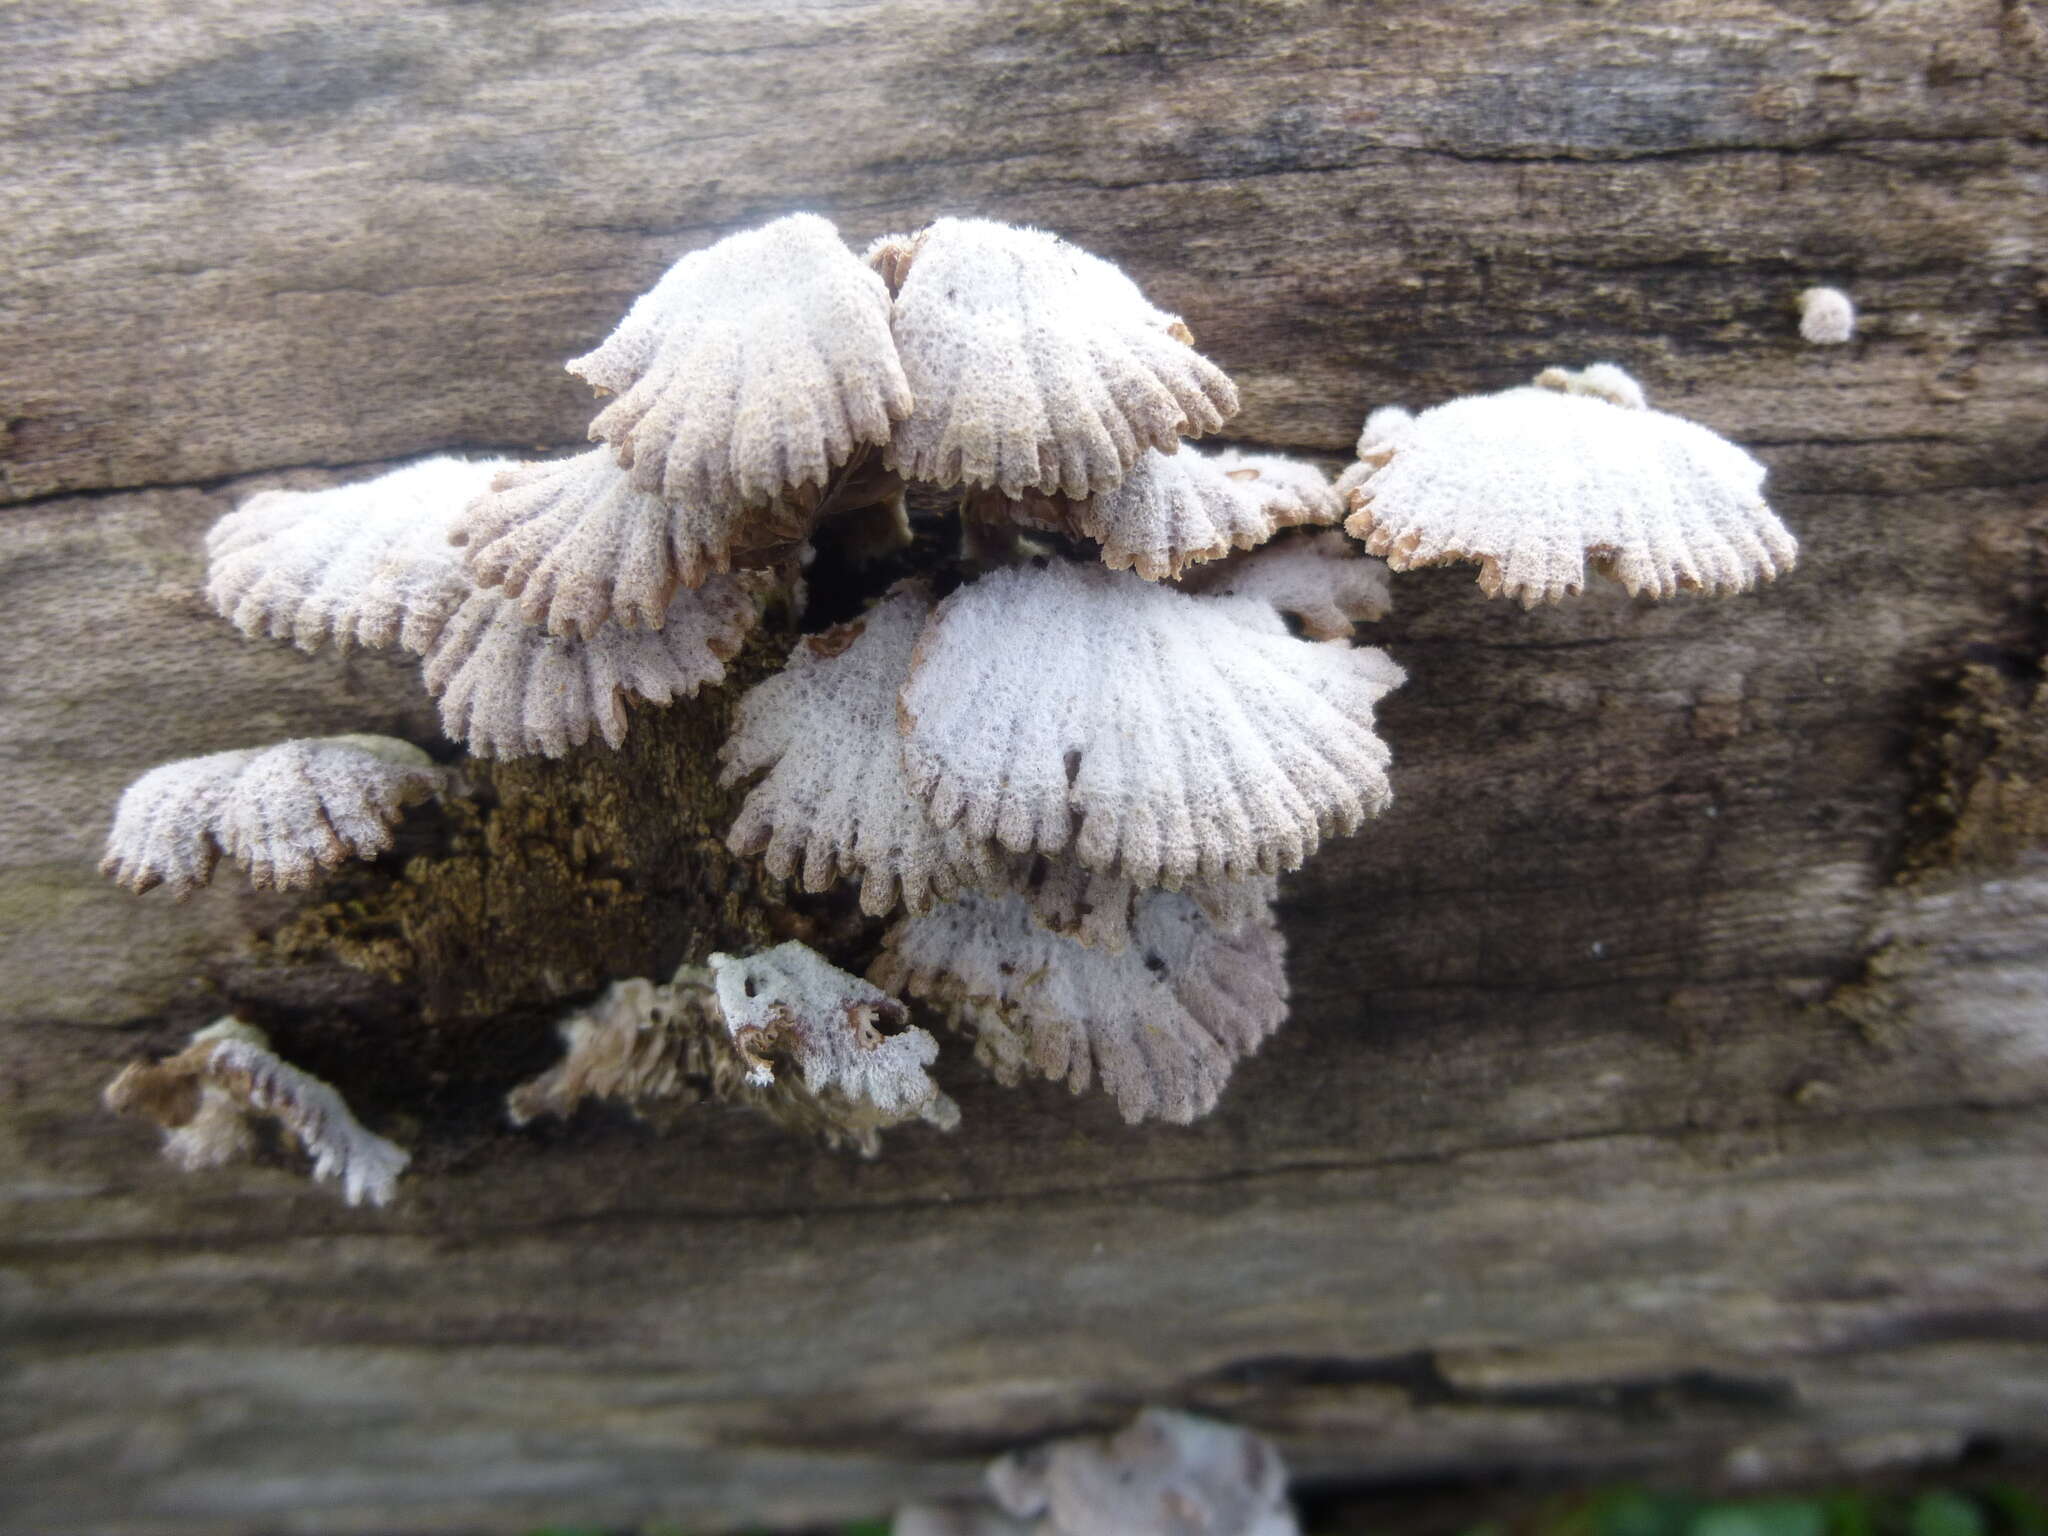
1664, 1086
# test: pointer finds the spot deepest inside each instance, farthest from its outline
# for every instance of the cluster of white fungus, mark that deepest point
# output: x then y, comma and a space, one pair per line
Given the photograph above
1066, 760
1163, 1474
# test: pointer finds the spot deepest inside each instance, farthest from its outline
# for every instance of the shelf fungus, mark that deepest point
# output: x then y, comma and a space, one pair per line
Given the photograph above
1150, 731
1163, 1474
1076, 692
1159, 1023
205, 1096
1320, 579
1100, 910
752, 368
1174, 510
579, 545
790, 1001
509, 689
287, 814
1535, 484
1035, 366
834, 801
361, 564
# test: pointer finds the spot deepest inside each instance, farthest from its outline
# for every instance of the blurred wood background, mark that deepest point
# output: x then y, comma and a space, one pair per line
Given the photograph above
1664, 1091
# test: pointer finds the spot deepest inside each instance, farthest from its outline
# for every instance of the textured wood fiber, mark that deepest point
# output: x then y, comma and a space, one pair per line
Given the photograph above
1563, 1165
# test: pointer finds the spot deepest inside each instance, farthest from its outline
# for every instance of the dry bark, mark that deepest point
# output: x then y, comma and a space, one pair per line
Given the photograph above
1664, 1088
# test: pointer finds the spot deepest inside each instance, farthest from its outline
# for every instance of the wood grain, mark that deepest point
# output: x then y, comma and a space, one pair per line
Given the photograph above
1564, 1164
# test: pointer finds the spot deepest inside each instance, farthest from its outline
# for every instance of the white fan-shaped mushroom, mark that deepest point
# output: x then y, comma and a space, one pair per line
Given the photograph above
362, 564
1164, 1474
1381, 429
1174, 510
1827, 316
1321, 578
835, 801
510, 690
1037, 366
286, 813
751, 368
790, 998
578, 544
1532, 483
1160, 1023
202, 1098
1181, 739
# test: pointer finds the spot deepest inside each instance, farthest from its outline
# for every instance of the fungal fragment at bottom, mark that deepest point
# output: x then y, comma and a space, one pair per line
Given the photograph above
656, 1050
1161, 1023
1163, 1474
205, 1097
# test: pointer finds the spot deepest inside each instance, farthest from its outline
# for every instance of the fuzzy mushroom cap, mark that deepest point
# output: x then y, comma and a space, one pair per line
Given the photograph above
287, 813
1158, 735
751, 368
1100, 911
510, 690
1161, 1022
1164, 1474
204, 1096
362, 564
1602, 381
579, 545
1533, 483
791, 999
1175, 510
1321, 579
1035, 366
835, 801
1827, 316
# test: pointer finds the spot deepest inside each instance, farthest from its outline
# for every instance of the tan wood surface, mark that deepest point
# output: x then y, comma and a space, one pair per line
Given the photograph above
1664, 1087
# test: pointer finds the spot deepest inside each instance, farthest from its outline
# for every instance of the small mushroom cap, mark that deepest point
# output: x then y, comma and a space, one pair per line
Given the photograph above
1602, 381
202, 1098
1098, 910
1160, 1023
1532, 483
1322, 579
835, 801
1164, 1474
361, 564
510, 690
1174, 510
751, 368
1183, 740
363, 1163
1827, 316
1037, 366
579, 545
286, 813
790, 998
